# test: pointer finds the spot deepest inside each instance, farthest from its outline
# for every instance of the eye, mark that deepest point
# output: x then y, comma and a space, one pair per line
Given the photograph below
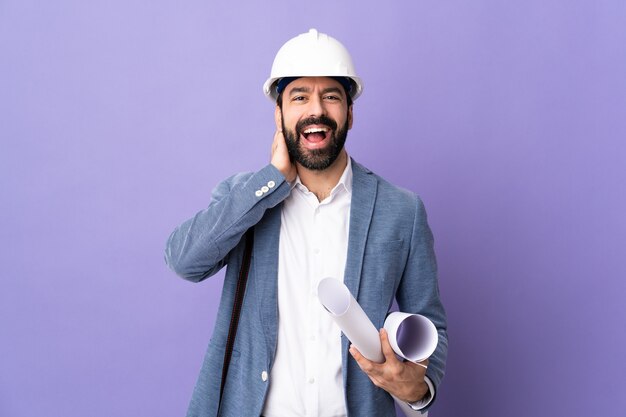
298, 98
332, 97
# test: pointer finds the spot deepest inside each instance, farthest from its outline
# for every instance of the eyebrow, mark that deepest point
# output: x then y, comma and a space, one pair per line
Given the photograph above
308, 90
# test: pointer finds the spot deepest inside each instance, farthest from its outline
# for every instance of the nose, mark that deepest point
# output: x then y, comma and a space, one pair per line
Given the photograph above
316, 106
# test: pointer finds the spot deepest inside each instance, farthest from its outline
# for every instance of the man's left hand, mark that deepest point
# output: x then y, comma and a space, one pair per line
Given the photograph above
404, 380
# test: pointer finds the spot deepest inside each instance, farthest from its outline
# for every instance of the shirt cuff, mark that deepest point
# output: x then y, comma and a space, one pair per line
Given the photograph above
428, 398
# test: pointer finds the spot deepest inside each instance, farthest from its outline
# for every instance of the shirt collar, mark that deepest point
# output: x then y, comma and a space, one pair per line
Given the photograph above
345, 181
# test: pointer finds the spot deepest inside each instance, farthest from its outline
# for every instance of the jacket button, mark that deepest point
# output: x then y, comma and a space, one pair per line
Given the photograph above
258, 193
265, 189
264, 376
271, 184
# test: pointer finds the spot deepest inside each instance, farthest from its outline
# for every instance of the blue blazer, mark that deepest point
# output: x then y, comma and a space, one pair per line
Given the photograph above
390, 254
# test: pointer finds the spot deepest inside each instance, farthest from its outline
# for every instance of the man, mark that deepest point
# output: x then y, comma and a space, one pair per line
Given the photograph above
315, 213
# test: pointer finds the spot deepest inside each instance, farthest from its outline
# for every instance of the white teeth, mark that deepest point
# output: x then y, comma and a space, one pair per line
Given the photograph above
315, 130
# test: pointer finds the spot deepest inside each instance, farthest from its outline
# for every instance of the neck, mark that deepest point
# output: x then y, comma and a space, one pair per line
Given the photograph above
321, 183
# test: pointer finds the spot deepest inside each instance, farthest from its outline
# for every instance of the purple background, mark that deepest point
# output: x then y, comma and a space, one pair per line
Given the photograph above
117, 118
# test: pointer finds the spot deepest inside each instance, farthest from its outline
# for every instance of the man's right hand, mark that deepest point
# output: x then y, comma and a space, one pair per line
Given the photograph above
280, 157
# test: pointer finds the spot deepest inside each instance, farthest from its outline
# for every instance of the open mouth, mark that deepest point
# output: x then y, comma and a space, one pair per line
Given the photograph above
315, 134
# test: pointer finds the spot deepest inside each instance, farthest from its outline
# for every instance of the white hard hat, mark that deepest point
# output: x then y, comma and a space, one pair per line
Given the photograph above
312, 54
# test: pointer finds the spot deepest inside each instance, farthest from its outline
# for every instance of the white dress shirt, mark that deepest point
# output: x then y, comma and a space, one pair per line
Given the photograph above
306, 379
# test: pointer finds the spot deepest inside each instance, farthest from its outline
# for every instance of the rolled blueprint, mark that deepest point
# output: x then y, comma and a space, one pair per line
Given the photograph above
411, 336
350, 317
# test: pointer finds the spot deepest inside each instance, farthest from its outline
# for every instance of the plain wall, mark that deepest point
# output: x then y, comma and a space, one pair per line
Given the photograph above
117, 118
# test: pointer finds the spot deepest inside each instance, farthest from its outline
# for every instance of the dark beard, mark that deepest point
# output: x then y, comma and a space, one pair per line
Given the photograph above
315, 159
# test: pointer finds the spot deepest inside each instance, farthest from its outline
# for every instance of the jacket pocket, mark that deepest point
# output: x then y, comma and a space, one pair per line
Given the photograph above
383, 265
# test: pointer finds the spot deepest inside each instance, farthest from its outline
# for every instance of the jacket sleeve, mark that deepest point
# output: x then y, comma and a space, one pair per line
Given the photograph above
419, 290
199, 247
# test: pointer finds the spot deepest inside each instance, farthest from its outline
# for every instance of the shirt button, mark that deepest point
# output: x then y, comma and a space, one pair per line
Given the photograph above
311, 380
271, 184
316, 251
258, 193
264, 376
265, 189
312, 338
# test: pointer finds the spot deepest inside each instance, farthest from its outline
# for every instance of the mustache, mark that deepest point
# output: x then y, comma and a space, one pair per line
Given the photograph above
320, 120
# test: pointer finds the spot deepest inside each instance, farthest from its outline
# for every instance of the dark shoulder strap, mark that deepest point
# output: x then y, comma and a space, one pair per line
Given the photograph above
234, 318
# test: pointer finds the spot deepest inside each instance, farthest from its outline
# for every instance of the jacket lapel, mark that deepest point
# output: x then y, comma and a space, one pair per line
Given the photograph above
364, 186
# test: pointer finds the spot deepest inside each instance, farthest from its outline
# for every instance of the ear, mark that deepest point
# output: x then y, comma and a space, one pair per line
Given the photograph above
278, 118
350, 117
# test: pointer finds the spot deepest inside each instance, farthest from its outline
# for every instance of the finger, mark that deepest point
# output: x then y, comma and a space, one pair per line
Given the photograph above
390, 355
277, 141
365, 364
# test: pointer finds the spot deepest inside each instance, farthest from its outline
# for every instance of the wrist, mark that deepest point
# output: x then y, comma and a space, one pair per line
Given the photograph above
422, 393
288, 172
427, 399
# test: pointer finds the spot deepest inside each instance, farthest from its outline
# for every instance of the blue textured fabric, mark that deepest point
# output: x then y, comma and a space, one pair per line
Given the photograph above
390, 254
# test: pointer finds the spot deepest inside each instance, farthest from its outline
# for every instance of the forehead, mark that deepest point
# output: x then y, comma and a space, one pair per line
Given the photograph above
313, 83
